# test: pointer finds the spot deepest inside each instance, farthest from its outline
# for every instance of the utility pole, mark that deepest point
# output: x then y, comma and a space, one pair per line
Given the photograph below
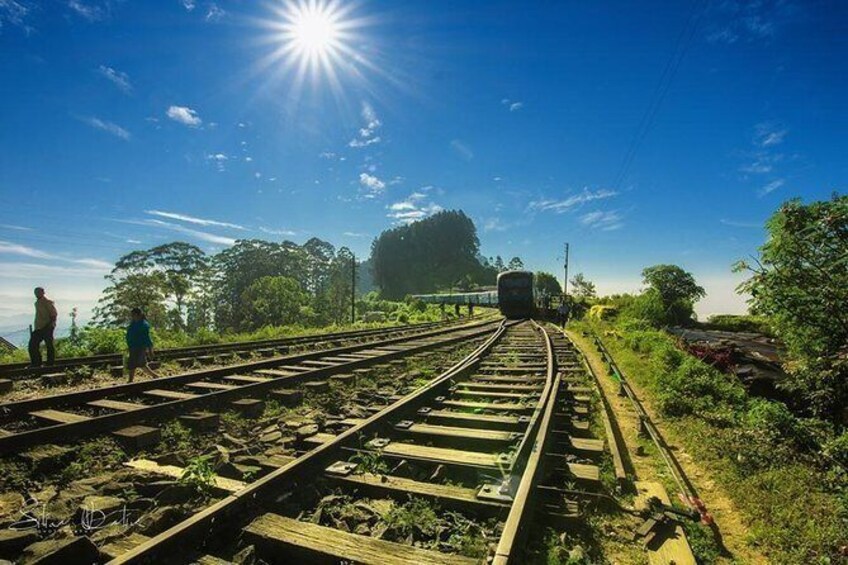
352, 288
565, 281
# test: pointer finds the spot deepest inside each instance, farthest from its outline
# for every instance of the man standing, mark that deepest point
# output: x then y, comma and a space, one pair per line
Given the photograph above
45, 323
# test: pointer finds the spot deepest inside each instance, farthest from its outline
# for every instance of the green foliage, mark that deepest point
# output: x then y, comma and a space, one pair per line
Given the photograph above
428, 255
738, 323
651, 307
92, 457
547, 284
370, 462
416, 518
762, 455
176, 437
199, 474
800, 281
272, 301
672, 283
582, 288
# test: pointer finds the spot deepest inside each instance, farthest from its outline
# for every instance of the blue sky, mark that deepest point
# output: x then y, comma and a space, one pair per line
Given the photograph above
639, 132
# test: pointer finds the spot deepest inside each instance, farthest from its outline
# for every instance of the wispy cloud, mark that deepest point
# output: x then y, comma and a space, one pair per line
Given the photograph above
189, 5
9, 248
371, 184
737, 224
30, 271
184, 115
220, 160
460, 148
512, 105
603, 220
354, 234
201, 235
119, 79
271, 231
193, 219
91, 11
768, 134
215, 13
108, 127
494, 224
747, 21
571, 202
367, 135
14, 13
14, 227
771, 187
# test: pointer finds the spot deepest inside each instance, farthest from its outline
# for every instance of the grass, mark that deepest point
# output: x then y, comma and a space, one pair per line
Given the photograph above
796, 509
92, 457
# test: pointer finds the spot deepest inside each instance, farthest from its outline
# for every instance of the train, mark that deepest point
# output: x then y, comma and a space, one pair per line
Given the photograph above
515, 296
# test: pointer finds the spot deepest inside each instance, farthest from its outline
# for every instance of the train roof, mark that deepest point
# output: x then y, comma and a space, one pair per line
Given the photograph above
515, 273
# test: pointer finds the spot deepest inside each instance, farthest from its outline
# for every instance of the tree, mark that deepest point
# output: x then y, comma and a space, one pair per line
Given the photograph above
547, 284
499, 264
425, 256
515, 264
673, 284
669, 298
582, 288
138, 290
800, 281
272, 301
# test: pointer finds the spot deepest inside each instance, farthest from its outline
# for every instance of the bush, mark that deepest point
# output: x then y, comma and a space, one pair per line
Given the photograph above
734, 323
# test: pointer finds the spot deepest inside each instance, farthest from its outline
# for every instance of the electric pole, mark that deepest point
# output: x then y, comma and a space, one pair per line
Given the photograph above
352, 288
565, 281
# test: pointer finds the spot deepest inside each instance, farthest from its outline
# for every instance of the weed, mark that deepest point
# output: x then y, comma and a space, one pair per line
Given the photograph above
370, 462
176, 437
417, 518
200, 475
92, 457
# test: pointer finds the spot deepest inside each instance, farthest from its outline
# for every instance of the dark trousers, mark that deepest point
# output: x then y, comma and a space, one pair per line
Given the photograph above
35, 339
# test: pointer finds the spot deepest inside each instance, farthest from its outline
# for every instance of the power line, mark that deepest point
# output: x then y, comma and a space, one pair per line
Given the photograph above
662, 87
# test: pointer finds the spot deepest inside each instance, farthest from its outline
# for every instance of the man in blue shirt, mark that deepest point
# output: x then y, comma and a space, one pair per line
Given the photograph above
139, 344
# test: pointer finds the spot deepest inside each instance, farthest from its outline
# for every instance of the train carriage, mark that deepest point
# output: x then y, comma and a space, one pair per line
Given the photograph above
516, 294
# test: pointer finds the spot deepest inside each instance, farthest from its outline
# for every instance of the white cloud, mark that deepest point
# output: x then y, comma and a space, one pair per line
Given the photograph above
573, 201
9, 248
119, 79
14, 13
248, 159
14, 227
462, 149
189, 4
372, 183
605, 221
412, 209
771, 187
767, 134
272, 231
516, 106
184, 115
738, 224
217, 157
201, 235
108, 127
494, 224
327, 155
367, 134
215, 13
193, 219
353, 234
90, 12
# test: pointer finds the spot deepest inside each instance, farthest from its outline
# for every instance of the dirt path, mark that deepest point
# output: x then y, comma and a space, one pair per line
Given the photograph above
733, 531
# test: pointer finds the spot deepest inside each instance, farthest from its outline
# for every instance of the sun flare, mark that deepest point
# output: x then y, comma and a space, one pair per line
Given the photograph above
313, 30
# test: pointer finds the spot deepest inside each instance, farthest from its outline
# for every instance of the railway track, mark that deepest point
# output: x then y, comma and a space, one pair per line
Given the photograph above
205, 354
491, 439
241, 387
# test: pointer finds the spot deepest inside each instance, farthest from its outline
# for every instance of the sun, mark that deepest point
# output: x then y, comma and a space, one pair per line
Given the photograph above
313, 30
318, 44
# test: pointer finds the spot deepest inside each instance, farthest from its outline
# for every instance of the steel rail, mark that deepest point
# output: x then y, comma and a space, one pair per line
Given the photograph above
186, 538
107, 422
22, 371
521, 511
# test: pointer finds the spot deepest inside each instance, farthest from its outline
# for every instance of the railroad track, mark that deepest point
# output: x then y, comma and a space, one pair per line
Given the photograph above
241, 387
493, 438
205, 354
